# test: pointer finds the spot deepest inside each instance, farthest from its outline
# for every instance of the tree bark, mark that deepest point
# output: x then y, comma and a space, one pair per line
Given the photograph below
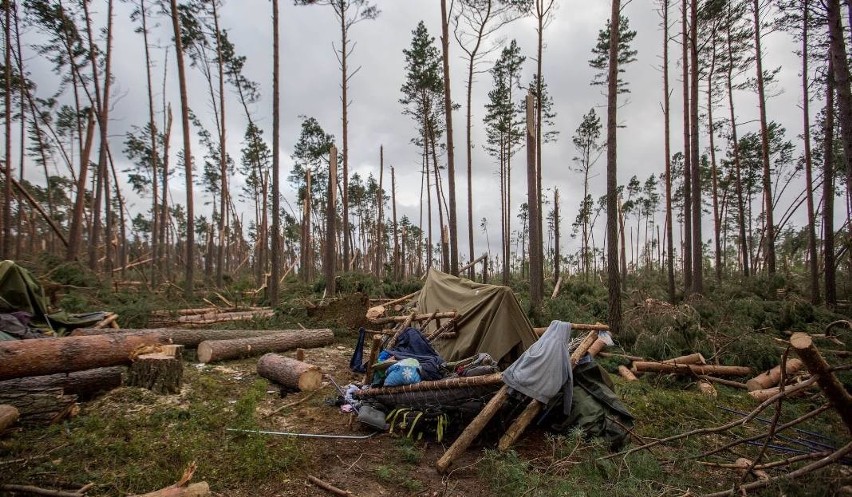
40, 406
842, 80
187, 155
189, 338
687, 154
698, 369
828, 192
6, 218
613, 278
161, 372
76, 353
200, 489
830, 385
220, 350
290, 372
473, 429
769, 237
84, 384
773, 376
697, 242
451, 167
813, 255
668, 152
330, 260
275, 260
533, 206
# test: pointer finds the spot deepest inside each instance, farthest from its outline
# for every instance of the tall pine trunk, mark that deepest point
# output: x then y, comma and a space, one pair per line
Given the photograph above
152, 128
828, 190
614, 307
189, 274
533, 206
697, 245
813, 257
769, 237
842, 82
451, 167
687, 155
223, 155
668, 152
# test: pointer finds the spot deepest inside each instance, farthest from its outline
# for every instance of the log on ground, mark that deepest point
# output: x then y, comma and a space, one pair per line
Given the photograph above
290, 372
200, 489
40, 406
8, 416
830, 385
83, 384
189, 338
45, 356
696, 369
220, 350
773, 376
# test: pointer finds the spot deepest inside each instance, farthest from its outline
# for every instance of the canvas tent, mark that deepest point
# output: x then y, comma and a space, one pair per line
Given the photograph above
491, 319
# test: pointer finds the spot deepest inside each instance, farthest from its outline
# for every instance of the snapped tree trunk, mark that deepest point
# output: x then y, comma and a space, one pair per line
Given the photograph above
613, 278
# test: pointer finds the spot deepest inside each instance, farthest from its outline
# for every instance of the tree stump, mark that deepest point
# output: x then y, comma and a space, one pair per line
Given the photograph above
160, 372
290, 372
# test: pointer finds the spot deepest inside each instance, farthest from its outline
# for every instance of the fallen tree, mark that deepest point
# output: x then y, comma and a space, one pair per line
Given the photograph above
45, 356
189, 338
220, 350
696, 369
84, 384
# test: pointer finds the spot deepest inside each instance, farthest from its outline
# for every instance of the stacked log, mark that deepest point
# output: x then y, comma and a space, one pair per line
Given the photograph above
290, 372
83, 384
220, 350
45, 356
40, 406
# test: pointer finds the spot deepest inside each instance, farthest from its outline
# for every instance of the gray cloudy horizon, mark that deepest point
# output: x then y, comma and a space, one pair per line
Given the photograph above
310, 86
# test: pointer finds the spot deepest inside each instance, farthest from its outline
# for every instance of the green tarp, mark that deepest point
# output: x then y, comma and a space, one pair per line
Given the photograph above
491, 319
21, 291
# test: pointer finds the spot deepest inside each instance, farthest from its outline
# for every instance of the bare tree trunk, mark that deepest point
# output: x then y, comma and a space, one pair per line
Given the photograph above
187, 155
769, 237
275, 258
6, 218
331, 217
155, 228
380, 217
451, 167
697, 245
614, 307
746, 253
165, 216
556, 254
668, 151
223, 155
717, 220
687, 155
398, 263
813, 256
828, 190
344, 86
533, 206
842, 81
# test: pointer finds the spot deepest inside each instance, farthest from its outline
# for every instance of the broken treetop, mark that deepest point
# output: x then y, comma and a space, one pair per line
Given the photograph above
490, 318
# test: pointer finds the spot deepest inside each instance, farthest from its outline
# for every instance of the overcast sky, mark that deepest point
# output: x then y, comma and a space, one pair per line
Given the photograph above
311, 79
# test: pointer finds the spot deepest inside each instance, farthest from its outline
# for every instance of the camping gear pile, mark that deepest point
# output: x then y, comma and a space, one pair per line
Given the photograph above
433, 378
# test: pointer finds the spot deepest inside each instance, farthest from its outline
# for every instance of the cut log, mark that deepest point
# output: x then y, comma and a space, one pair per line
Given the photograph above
188, 338
695, 358
83, 384
584, 347
519, 425
44, 356
707, 388
622, 356
696, 369
473, 429
577, 327
597, 347
220, 350
773, 376
416, 317
40, 406
107, 321
833, 389
160, 372
290, 372
626, 373
200, 489
767, 393
8, 416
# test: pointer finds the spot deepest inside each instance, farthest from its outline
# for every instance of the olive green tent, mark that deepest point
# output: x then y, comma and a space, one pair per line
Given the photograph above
491, 319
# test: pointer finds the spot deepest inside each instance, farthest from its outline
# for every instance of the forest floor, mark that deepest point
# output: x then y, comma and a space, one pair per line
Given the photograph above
131, 441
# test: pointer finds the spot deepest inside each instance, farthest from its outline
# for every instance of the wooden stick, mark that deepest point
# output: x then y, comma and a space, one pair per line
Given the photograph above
556, 288
578, 327
583, 348
696, 369
430, 386
328, 487
833, 389
107, 321
473, 429
374, 356
729, 383
472, 263
625, 356
29, 489
414, 317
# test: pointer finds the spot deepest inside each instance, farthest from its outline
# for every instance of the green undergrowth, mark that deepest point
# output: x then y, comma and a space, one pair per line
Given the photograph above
573, 465
132, 441
403, 473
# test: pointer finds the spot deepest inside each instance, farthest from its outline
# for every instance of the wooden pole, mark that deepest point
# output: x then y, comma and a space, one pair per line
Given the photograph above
695, 369
833, 389
473, 429
374, 356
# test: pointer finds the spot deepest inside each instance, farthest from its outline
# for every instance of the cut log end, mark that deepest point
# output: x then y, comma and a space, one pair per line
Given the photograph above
290, 372
8, 416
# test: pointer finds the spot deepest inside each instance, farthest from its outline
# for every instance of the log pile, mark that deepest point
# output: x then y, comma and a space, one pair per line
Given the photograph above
40, 406
83, 384
205, 316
